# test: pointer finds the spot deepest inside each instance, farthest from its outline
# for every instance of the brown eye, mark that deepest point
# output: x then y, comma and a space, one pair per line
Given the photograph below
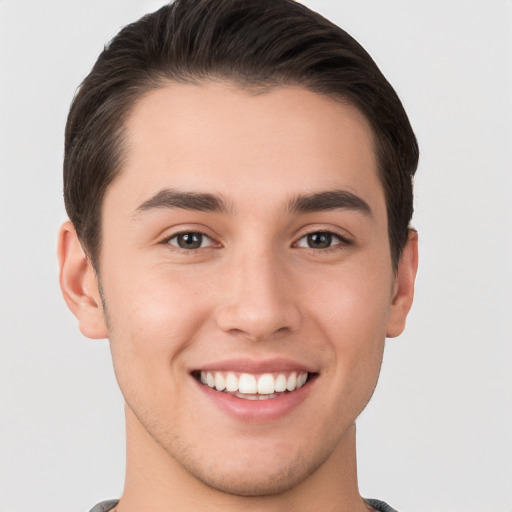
322, 240
319, 240
190, 240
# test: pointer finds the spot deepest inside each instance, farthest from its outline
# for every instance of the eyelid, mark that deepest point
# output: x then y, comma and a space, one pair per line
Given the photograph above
198, 230
343, 239
203, 235
333, 235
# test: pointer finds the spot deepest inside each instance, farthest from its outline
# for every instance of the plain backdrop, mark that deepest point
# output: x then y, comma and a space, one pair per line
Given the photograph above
437, 435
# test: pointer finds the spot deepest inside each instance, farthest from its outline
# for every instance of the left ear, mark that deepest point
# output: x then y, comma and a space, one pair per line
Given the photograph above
403, 289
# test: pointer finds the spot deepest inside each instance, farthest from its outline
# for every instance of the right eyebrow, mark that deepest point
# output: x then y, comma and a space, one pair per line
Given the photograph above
170, 198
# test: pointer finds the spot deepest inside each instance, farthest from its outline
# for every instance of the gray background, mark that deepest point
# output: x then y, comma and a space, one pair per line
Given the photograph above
437, 436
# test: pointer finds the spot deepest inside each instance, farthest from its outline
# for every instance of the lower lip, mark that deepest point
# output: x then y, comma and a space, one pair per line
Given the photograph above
257, 411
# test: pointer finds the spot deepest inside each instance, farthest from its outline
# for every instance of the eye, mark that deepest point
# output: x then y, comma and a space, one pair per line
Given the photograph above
321, 240
190, 240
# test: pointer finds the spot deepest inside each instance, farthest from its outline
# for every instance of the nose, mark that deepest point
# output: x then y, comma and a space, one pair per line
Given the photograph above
258, 300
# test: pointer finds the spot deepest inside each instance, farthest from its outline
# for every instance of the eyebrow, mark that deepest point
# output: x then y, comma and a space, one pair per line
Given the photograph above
303, 203
169, 198
329, 200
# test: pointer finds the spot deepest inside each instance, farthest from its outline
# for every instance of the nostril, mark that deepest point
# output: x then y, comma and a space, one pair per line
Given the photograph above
258, 310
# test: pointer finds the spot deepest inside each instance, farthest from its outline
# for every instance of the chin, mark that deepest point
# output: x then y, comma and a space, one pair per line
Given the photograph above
270, 470
257, 480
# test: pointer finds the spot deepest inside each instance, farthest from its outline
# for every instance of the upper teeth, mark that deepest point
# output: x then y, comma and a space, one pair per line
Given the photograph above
264, 384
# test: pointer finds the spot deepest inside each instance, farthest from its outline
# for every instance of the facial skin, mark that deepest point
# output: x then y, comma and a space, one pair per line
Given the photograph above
256, 295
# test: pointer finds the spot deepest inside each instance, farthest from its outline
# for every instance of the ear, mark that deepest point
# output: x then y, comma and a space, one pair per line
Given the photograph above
79, 284
403, 289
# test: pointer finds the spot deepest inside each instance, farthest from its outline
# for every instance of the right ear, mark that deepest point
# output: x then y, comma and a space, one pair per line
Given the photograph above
79, 284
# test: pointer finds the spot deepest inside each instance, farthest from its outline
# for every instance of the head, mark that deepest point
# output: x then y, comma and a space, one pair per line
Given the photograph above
239, 176
257, 45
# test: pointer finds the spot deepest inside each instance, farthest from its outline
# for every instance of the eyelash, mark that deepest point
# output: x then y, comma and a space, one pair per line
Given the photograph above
341, 241
202, 236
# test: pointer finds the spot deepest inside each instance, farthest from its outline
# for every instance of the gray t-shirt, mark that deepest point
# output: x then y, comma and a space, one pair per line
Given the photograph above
378, 505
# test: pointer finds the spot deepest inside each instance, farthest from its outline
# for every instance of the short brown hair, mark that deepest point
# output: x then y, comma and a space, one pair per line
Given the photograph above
253, 43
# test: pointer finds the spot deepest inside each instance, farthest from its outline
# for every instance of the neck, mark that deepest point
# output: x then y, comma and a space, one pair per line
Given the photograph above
156, 481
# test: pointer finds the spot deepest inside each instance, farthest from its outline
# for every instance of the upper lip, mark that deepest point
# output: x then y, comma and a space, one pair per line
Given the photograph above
256, 366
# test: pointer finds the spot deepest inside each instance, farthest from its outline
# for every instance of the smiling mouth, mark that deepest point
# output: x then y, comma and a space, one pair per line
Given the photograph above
250, 386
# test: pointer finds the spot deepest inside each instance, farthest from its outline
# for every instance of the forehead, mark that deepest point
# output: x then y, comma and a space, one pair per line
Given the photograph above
216, 137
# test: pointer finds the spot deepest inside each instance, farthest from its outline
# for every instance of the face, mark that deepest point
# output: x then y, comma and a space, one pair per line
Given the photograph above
246, 274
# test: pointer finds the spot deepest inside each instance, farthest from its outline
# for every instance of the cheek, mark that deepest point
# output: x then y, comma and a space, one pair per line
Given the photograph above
153, 302
353, 301
352, 309
152, 320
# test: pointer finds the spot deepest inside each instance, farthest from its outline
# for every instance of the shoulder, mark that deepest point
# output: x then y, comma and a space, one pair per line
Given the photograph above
105, 506
378, 505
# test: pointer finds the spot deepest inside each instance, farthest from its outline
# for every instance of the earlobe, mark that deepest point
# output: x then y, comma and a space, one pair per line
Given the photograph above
403, 292
79, 284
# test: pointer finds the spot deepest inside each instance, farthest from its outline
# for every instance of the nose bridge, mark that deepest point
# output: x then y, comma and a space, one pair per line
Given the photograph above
258, 299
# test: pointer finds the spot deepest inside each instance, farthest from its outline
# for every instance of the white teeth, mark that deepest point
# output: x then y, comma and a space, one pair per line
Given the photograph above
266, 384
301, 380
247, 383
292, 382
220, 383
280, 384
252, 386
231, 382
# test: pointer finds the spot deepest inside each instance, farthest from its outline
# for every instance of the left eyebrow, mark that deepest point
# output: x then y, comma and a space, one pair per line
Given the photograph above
329, 200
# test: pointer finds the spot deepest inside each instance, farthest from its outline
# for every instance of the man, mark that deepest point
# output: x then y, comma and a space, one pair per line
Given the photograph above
238, 177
